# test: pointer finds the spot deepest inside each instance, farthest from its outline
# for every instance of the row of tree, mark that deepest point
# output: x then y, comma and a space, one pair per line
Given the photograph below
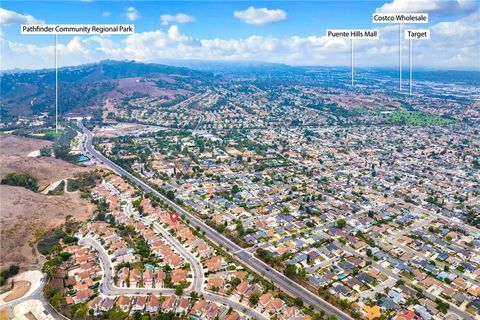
21, 179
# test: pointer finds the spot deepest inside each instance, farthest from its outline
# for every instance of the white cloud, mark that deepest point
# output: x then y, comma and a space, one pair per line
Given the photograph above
178, 18
132, 14
9, 17
430, 6
106, 48
106, 13
261, 15
453, 45
19, 55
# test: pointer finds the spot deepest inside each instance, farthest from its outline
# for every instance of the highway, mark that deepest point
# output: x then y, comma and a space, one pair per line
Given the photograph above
245, 257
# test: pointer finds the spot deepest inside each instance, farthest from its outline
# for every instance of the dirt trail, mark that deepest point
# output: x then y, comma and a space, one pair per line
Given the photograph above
25, 214
14, 151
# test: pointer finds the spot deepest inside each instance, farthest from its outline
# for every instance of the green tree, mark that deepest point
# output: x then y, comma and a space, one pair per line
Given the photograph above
341, 223
45, 152
194, 295
369, 252
166, 316
116, 314
220, 227
82, 311
239, 228
55, 300
235, 189
170, 194
253, 299
179, 290
235, 282
298, 302
19, 179
302, 273
290, 271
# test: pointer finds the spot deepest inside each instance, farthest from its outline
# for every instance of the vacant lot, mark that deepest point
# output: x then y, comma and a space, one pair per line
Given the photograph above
13, 145
123, 129
4, 313
26, 214
20, 288
14, 152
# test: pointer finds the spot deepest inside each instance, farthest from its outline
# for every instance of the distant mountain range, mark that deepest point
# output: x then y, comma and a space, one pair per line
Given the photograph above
230, 66
83, 88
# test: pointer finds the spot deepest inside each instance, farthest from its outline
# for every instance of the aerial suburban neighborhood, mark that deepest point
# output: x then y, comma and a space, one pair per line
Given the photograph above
223, 187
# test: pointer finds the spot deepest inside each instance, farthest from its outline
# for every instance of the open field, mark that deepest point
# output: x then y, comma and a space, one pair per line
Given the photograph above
4, 313
20, 288
50, 134
122, 129
41, 211
418, 118
13, 145
14, 158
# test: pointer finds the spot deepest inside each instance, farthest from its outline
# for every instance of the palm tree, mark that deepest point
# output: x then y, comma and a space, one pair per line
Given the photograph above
82, 311
194, 296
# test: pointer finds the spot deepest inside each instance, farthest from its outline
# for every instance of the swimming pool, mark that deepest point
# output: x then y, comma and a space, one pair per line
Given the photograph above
83, 158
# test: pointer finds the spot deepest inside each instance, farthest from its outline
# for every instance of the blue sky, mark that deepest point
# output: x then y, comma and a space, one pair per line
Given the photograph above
289, 32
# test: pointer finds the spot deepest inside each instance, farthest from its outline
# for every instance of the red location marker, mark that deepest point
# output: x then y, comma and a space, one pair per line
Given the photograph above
173, 216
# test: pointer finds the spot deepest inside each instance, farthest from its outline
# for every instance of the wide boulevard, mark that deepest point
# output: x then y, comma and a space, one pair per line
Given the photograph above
244, 256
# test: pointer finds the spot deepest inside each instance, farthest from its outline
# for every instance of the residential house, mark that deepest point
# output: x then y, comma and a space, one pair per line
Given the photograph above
183, 306
275, 306
179, 275
264, 300
169, 304
123, 275
107, 304
124, 303
408, 315
152, 304
139, 304
135, 278
232, 316
83, 295
148, 278
159, 277
95, 304
198, 308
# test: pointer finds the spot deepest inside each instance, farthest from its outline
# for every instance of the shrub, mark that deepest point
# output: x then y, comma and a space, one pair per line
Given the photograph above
7, 273
20, 179
50, 241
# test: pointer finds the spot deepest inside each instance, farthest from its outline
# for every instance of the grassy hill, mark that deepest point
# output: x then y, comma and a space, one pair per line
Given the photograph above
85, 87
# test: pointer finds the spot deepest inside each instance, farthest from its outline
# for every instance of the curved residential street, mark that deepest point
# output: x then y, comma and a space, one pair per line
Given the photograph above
108, 288
197, 271
246, 257
36, 294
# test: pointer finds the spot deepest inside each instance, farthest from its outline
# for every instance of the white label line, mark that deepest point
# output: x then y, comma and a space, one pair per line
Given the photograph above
410, 62
56, 84
351, 62
400, 53
414, 34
